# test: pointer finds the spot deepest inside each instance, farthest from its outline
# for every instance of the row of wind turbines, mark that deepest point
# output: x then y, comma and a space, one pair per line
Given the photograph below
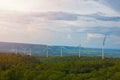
79, 52
25, 51
29, 52
61, 50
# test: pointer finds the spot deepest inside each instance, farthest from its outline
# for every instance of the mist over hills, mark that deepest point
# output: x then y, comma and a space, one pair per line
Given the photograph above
21, 47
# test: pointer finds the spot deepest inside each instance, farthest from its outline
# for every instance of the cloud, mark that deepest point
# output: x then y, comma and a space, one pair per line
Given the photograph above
93, 36
58, 16
56, 27
61, 22
73, 17
74, 6
103, 17
113, 4
69, 36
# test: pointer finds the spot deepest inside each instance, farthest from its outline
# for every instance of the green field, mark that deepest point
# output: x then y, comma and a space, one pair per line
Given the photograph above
22, 67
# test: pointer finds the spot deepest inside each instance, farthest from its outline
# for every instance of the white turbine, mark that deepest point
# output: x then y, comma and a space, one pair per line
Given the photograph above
103, 46
79, 50
16, 51
61, 54
24, 51
47, 53
13, 50
30, 52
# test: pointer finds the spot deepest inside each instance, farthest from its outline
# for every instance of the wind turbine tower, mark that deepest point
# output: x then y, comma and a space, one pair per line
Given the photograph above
47, 51
16, 51
79, 50
103, 46
61, 51
30, 52
24, 51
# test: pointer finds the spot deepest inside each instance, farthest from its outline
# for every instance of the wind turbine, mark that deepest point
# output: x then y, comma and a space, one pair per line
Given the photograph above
16, 51
61, 54
47, 51
13, 50
79, 50
30, 52
79, 46
103, 46
24, 51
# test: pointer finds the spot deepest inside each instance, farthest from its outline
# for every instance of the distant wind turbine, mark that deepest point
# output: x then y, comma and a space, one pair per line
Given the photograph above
79, 46
62, 51
47, 51
79, 50
24, 51
13, 50
103, 46
16, 51
30, 52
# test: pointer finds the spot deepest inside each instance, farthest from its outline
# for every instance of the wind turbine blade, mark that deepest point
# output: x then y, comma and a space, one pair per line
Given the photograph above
104, 40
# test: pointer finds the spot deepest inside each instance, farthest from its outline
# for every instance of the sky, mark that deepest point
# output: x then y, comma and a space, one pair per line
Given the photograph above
63, 22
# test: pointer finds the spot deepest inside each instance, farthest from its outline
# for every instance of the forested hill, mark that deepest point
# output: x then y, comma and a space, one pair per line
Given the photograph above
23, 67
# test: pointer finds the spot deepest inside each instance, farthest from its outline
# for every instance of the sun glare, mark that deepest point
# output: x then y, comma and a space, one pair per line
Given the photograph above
16, 5
22, 5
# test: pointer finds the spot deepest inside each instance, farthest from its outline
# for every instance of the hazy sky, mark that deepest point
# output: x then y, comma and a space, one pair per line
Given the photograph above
61, 22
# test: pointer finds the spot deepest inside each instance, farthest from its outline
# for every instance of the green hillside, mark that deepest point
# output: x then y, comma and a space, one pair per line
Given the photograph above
21, 67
